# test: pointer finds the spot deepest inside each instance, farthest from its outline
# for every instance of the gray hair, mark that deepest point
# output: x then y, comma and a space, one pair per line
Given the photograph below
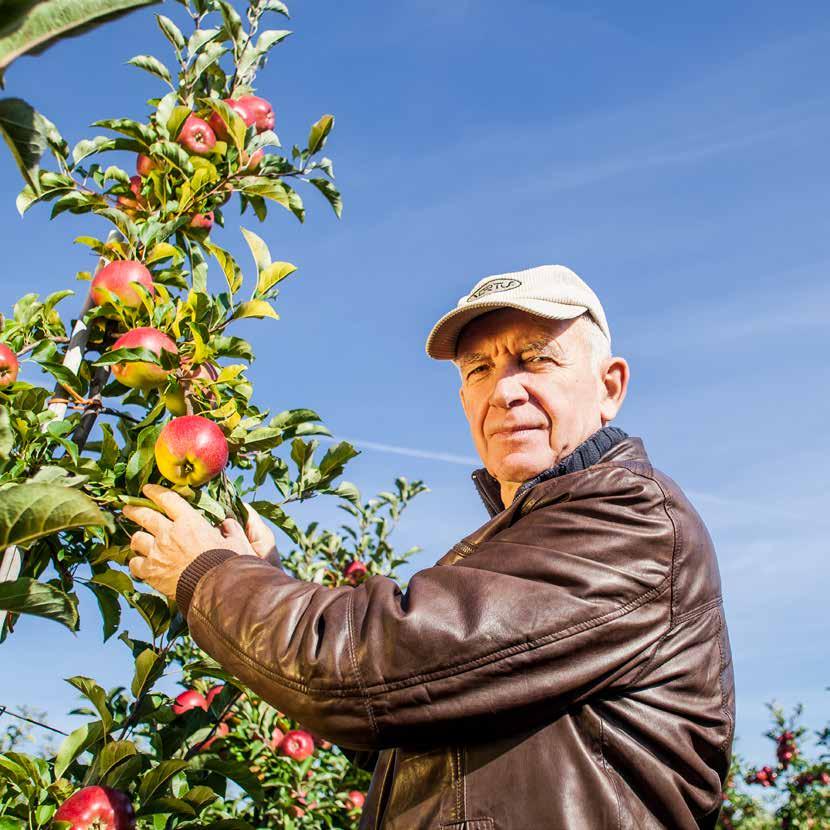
593, 336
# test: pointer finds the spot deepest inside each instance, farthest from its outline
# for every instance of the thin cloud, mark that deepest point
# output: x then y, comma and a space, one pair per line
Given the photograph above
450, 458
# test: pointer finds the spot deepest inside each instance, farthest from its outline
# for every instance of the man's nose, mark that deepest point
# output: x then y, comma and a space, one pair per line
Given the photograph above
508, 389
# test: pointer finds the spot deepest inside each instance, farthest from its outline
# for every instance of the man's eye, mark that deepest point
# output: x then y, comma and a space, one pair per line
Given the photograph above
473, 371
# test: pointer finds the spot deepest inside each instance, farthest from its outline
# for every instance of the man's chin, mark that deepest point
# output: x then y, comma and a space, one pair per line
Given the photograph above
520, 466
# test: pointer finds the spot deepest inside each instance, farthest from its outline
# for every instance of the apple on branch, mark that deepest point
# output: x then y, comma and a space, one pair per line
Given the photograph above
187, 700
97, 808
139, 374
261, 112
145, 165
196, 136
9, 366
118, 278
191, 450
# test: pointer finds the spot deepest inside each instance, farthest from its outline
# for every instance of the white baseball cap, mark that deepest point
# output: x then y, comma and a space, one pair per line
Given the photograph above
551, 291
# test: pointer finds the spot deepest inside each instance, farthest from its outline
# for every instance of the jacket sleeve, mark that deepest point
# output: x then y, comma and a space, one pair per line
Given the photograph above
566, 603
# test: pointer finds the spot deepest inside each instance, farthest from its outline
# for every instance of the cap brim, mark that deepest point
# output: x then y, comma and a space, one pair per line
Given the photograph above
442, 340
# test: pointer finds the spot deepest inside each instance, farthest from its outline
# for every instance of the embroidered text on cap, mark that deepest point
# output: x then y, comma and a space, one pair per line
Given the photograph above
494, 285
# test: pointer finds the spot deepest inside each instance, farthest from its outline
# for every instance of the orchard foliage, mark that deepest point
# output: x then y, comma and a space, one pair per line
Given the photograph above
152, 349
790, 793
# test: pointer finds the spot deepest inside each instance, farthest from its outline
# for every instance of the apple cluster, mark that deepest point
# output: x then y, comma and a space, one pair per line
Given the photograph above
191, 449
199, 137
786, 748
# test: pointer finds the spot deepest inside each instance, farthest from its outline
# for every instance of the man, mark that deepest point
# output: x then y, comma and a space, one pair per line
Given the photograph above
567, 665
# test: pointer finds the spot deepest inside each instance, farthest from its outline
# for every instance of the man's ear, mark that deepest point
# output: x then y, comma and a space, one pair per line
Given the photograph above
615, 382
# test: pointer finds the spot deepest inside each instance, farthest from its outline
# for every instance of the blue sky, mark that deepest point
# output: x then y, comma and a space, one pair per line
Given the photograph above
675, 157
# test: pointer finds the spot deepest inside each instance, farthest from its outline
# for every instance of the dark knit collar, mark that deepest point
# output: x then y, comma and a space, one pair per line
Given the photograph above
586, 454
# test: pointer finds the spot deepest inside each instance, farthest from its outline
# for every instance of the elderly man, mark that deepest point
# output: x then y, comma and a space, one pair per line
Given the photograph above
566, 665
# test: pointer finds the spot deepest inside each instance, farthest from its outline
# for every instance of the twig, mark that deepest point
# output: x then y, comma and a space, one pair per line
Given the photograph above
4, 710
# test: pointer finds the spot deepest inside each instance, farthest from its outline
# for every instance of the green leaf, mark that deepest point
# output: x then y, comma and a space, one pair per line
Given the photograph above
174, 153
318, 134
259, 250
232, 271
24, 131
152, 65
28, 596
141, 462
110, 757
29, 511
101, 143
148, 668
76, 743
233, 121
335, 459
271, 38
255, 308
200, 38
331, 193
132, 129
96, 695
168, 804
237, 771
273, 274
155, 780
50, 20
9, 823
171, 32
6, 434
276, 6
279, 517
154, 609
109, 607
110, 451
233, 22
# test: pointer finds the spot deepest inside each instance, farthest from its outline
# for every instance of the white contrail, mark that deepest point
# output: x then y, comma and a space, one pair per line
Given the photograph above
466, 460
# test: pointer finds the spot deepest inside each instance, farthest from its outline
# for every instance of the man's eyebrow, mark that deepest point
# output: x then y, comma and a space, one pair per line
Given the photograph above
538, 344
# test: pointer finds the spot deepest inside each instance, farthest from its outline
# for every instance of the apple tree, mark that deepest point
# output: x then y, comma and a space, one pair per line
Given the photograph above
149, 385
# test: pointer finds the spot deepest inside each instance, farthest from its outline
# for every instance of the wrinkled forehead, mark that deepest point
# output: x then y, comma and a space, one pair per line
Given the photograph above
509, 328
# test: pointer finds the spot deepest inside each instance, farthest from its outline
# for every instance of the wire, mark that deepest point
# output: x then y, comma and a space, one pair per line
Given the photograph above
5, 711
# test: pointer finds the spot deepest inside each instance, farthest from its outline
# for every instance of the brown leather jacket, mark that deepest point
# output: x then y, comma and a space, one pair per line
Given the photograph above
566, 666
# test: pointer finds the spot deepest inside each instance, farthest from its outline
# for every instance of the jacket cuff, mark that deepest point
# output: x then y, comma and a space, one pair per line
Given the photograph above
190, 576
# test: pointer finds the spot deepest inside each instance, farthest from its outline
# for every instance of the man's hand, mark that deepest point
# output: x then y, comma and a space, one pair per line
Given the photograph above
169, 543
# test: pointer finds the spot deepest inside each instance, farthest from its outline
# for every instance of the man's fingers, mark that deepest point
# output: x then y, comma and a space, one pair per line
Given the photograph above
230, 528
172, 503
147, 518
137, 567
142, 543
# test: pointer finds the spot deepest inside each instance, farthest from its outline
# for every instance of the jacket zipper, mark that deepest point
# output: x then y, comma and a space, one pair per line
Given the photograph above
492, 508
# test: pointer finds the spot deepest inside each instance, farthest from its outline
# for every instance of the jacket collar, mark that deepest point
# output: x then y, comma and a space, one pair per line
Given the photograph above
587, 453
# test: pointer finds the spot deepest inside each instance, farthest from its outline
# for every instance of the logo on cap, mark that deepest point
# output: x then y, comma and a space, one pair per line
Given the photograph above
490, 286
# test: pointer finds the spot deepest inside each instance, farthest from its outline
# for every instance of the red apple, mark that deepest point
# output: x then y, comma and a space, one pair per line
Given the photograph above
191, 699
140, 374
218, 125
355, 572
196, 136
9, 366
261, 111
202, 221
97, 808
191, 450
216, 690
175, 401
297, 744
277, 736
117, 277
222, 731
144, 165
251, 162
355, 800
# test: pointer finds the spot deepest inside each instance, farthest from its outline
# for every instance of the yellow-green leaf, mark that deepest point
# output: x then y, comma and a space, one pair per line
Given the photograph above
255, 308
271, 275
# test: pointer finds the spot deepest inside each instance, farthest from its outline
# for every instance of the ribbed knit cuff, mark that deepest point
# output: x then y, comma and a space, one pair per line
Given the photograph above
190, 576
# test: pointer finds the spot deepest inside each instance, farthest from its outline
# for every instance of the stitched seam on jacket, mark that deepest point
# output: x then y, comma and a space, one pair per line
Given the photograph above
380, 688
355, 666
462, 783
701, 609
687, 617
608, 774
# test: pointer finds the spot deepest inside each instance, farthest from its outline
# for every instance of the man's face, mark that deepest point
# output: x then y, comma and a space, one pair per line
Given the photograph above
518, 369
